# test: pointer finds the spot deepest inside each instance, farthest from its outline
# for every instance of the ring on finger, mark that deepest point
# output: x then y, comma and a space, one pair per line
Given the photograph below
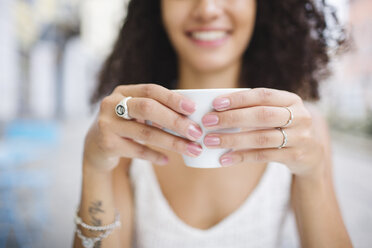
290, 119
285, 138
121, 109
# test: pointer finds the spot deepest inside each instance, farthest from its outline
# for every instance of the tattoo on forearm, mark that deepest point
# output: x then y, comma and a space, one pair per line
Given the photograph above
95, 208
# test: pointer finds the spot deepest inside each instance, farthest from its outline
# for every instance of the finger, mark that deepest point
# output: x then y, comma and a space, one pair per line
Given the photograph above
267, 138
141, 121
150, 109
154, 124
285, 155
157, 125
136, 150
155, 136
251, 117
255, 97
171, 99
116, 146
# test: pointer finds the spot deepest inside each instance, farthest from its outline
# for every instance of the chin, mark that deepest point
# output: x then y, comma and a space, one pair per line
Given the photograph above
212, 67
208, 64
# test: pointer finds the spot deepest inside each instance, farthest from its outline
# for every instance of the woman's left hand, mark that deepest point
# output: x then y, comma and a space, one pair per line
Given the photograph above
261, 111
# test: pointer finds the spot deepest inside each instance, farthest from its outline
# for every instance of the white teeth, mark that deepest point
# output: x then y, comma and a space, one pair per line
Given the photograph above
208, 35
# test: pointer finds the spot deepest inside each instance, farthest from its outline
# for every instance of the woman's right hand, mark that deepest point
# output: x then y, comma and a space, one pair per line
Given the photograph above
111, 137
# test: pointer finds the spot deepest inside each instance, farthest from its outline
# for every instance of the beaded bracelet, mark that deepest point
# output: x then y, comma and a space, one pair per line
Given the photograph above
116, 223
88, 242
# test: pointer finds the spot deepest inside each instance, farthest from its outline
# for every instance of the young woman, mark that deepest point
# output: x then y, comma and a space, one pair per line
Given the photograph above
133, 172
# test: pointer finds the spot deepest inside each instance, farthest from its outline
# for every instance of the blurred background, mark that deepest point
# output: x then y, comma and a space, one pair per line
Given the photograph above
50, 53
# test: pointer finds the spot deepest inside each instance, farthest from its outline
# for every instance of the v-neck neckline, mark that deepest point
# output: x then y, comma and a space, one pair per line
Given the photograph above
225, 221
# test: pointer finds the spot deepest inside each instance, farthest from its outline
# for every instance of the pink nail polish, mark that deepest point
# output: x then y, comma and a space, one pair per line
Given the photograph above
163, 161
194, 149
221, 103
226, 161
195, 131
212, 141
210, 120
188, 106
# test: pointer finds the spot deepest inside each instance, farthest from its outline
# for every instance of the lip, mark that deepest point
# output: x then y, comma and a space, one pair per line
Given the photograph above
209, 44
208, 29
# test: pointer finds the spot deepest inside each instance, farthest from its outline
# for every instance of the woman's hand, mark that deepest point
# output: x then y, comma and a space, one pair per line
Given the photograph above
260, 111
111, 137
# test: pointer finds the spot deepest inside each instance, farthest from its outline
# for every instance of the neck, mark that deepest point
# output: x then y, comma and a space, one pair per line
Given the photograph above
190, 78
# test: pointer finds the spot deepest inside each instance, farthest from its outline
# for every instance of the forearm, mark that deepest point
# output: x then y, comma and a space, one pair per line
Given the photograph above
317, 214
97, 206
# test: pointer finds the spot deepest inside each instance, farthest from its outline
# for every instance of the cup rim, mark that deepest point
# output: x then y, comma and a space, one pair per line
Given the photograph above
209, 89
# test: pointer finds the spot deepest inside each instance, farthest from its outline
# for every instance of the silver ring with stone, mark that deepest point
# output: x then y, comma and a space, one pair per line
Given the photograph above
121, 109
285, 138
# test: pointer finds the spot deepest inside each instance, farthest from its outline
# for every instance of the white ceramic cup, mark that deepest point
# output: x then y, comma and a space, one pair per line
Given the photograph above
209, 158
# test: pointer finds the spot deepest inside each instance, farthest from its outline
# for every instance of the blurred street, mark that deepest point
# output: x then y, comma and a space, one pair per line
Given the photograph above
353, 184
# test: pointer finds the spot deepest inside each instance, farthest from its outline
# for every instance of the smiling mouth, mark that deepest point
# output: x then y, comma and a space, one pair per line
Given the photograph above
209, 38
213, 35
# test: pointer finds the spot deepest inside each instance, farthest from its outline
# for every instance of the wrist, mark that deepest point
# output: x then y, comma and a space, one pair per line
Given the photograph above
316, 178
313, 173
98, 164
91, 170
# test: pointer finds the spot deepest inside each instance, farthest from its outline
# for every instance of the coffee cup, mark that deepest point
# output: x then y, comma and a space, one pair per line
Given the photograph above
203, 98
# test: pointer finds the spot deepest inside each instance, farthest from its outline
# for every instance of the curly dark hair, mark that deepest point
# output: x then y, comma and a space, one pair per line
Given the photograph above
289, 48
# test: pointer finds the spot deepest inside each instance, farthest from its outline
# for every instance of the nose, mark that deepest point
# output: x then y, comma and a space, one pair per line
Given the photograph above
206, 10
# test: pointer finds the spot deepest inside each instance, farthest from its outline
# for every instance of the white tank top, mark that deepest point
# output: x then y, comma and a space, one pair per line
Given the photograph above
258, 222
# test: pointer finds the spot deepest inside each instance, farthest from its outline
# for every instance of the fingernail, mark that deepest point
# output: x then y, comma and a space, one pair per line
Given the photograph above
195, 131
188, 106
226, 160
194, 149
163, 161
212, 141
221, 103
210, 120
